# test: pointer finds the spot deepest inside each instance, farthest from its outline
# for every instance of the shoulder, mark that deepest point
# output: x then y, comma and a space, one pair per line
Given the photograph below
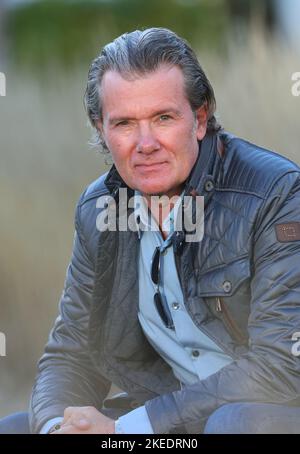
250, 168
87, 212
94, 190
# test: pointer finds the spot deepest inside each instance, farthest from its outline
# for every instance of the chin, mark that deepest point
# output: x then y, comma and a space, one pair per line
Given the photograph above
153, 190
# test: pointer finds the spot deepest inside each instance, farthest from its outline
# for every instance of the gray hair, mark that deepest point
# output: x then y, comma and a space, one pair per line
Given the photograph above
140, 52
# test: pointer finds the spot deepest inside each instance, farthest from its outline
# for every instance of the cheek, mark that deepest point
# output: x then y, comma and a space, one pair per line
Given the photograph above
121, 160
121, 143
114, 144
118, 149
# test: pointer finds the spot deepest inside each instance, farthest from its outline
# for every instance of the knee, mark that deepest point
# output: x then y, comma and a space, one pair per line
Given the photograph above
235, 418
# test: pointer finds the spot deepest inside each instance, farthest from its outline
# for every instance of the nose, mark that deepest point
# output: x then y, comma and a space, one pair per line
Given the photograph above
146, 141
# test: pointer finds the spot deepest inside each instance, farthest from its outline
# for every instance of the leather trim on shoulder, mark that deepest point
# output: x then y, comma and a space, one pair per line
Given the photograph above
94, 189
250, 168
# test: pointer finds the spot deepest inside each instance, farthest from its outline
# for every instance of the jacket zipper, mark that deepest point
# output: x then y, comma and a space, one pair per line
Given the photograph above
230, 322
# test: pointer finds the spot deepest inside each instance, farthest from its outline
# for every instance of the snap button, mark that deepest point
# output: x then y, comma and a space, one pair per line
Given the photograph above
195, 353
227, 286
209, 186
175, 306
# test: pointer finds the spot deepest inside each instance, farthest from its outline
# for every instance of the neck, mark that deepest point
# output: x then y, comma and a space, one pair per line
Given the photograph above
161, 205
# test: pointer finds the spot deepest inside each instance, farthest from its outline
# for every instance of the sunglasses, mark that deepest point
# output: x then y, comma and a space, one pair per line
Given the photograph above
159, 299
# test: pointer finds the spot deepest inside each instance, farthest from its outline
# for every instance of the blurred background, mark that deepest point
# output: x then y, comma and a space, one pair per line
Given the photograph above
249, 49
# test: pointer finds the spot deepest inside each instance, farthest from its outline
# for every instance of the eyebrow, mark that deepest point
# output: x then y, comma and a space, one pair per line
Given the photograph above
113, 121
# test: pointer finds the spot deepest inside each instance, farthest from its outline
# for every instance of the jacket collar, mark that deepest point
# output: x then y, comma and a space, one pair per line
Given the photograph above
205, 170
113, 181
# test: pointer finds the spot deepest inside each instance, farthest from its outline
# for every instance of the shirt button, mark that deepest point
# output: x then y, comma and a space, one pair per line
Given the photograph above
175, 306
227, 286
195, 353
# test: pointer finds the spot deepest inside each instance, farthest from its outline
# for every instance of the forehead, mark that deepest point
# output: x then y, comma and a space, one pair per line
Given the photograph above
172, 73
164, 85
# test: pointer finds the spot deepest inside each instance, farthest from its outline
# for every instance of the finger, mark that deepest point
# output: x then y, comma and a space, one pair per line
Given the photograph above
82, 423
69, 412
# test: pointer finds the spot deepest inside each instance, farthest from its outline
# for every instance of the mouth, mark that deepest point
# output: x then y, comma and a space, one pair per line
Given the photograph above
151, 167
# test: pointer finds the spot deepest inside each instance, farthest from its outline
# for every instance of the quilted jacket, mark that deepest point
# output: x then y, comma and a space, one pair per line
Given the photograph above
241, 286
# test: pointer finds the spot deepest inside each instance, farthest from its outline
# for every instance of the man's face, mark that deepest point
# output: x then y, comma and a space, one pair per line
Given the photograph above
150, 129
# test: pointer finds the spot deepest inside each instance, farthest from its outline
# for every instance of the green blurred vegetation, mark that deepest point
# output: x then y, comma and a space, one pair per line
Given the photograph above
72, 32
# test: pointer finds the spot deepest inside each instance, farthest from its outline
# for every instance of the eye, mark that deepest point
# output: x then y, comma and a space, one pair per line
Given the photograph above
123, 123
164, 117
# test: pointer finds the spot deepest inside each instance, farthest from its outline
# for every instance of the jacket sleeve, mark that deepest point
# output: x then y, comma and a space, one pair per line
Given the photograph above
268, 371
66, 375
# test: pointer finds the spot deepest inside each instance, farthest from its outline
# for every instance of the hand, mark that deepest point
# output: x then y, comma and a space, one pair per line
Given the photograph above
85, 420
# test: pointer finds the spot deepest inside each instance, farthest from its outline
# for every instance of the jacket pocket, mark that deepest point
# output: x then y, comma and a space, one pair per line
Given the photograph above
225, 290
231, 325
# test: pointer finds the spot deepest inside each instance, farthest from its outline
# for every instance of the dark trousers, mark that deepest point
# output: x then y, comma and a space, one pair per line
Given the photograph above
236, 418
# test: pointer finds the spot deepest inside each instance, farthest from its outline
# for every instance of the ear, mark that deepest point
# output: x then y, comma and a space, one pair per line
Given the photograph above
201, 118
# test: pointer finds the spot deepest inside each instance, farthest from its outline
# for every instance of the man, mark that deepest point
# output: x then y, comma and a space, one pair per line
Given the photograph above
199, 333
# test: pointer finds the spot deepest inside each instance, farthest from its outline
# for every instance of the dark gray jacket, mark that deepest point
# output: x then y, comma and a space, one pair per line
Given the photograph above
241, 285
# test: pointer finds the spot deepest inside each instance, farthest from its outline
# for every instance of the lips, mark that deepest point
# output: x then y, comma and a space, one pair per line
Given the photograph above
149, 167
